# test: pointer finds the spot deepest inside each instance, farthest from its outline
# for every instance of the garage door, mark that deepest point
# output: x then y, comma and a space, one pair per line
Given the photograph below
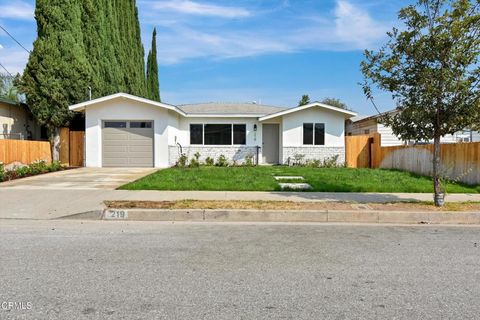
127, 144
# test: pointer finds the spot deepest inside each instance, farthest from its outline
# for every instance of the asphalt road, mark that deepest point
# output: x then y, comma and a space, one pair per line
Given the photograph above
119, 270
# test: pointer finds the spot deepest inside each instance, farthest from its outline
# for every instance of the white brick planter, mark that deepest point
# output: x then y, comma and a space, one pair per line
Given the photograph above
314, 153
237, 154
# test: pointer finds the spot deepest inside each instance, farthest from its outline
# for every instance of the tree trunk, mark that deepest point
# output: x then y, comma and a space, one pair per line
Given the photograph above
437, 187
55, 142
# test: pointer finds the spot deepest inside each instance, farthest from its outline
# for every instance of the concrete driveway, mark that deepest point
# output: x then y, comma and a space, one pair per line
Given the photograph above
81, 179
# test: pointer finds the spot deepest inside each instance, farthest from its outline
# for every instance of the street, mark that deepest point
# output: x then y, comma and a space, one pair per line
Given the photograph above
145, 270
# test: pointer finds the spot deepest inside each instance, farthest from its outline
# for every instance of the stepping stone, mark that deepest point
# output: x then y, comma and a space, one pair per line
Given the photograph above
295, 186
289, 178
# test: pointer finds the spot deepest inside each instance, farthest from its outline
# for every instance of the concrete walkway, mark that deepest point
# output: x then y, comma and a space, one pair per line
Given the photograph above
36, 203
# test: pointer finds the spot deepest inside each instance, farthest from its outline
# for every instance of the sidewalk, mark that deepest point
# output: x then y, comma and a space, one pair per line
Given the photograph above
17, 203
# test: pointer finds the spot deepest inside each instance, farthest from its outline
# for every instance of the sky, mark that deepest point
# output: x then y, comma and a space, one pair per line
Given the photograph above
267, 51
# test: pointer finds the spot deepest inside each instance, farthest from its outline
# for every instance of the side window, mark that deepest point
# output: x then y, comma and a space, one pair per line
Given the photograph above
319, 134
196, 134
239, 134
308, 133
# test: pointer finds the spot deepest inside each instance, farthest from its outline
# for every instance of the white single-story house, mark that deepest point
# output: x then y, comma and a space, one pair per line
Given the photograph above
124, 130
365, 125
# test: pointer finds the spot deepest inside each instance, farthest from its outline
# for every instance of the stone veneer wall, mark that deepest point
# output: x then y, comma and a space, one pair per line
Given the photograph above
231, 153
314, 153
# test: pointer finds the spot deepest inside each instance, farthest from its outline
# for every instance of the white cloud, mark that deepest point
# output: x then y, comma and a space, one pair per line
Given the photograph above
17, 10
355, 26
203, 9
349, 28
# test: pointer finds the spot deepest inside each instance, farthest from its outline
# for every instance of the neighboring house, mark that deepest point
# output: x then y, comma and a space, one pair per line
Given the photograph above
125, 130
16, 122
370, 124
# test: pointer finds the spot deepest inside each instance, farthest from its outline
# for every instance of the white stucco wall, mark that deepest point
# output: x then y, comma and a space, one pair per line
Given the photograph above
123, 109
334, 127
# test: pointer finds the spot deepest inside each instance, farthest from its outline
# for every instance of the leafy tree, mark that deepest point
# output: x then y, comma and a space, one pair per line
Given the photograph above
304, 100
153, 87
57, 72
335, 103
8, 89
432, 71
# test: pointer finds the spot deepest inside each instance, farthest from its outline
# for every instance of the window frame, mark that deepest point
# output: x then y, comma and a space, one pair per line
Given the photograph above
314, 124
232, 125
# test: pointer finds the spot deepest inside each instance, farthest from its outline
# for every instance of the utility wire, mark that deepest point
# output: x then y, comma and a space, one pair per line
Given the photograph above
11, 75
1, 27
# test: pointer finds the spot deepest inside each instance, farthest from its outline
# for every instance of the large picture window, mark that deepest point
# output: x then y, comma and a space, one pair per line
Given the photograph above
314, 134
196, 134
218, 134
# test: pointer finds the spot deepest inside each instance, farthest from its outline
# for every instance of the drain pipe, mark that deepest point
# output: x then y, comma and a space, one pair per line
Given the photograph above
258, 152
180, 147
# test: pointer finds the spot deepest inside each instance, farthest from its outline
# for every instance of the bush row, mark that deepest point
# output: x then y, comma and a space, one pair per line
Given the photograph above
37, 167
222, 161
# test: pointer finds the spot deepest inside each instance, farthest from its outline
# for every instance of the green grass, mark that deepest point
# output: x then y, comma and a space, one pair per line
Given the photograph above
261, 179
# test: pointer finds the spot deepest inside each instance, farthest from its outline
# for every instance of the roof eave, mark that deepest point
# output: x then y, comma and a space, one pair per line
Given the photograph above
82, 106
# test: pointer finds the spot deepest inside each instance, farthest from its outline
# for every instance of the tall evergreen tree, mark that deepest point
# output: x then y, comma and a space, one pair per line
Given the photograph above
57, 73
153, 87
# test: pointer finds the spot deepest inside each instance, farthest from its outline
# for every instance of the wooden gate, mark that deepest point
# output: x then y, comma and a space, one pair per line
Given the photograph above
72, 147
363, 151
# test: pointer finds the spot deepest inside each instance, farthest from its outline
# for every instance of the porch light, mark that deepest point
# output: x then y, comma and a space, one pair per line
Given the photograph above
255, 127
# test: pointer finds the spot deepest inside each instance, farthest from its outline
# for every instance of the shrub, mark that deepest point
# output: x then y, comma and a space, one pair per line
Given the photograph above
331, 162
249, 160
298, 159
182, 161
195, 161
222, 161
209, 161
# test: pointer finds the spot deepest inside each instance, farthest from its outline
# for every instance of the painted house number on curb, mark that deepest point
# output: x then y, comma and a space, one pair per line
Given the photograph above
116, 214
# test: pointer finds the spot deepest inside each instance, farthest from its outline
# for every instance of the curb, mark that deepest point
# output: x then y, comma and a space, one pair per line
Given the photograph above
367, 216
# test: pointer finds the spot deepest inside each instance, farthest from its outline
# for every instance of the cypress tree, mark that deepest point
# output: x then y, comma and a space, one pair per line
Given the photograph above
153, 87
57, 73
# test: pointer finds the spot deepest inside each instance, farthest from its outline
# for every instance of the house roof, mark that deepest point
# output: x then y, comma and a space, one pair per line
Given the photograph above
262, 112
9, 101
81, 106
375, 116
347, 113
228, 108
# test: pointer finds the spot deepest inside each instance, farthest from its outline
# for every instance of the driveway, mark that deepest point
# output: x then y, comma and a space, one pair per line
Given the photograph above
58, 194
81, 179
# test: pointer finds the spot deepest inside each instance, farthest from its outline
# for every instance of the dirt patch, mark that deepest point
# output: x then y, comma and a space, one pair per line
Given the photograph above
289, 205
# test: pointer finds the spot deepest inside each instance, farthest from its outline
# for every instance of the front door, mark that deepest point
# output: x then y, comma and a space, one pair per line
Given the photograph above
271, 143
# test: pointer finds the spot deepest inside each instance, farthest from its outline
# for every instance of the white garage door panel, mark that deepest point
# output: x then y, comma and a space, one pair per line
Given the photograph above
127, 147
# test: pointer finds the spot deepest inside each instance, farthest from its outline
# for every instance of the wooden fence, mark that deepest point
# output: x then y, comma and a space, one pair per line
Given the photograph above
24, 151
459, 161
362, 151
72, 146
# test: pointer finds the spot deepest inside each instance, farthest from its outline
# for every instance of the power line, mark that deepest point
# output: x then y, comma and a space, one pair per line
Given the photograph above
14, 39
1, 65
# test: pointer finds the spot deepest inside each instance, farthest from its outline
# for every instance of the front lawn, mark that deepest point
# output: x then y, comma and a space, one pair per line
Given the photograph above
261, 179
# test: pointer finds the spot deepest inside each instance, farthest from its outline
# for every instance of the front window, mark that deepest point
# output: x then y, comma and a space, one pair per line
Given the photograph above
239, 134
314, 134
218, 134
196, 134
